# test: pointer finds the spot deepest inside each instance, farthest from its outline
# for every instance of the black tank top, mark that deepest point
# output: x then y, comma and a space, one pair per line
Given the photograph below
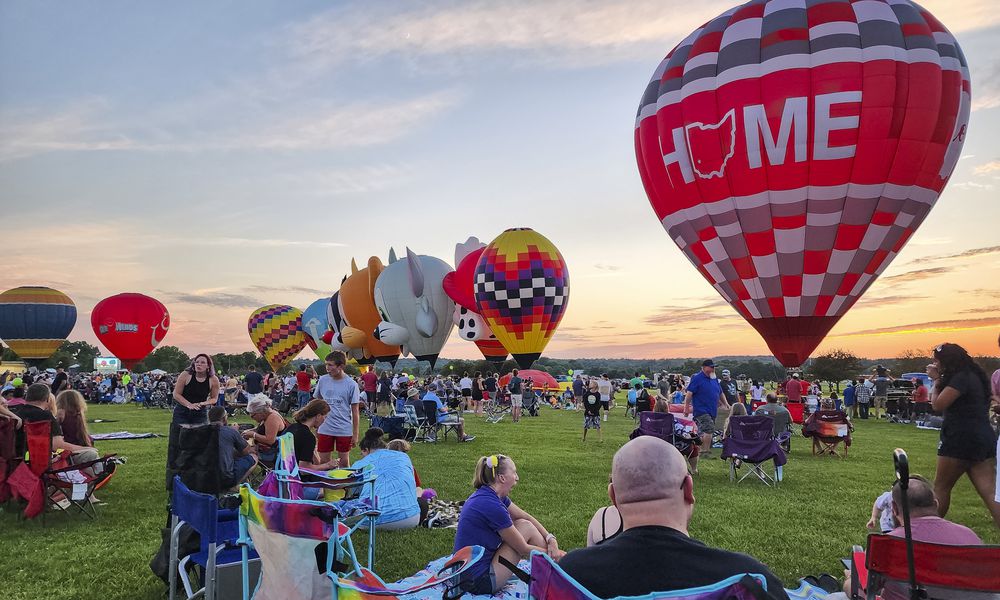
196, 391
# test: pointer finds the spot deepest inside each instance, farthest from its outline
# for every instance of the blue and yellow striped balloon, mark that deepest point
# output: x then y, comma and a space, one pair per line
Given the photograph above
35, 321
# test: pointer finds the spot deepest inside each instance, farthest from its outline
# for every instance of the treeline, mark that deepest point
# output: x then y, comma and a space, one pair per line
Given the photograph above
836, 365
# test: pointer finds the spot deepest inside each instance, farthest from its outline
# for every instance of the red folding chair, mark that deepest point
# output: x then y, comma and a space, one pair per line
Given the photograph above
62, 482
941, 571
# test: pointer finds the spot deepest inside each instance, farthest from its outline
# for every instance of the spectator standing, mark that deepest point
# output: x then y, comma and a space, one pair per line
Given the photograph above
579, 389
369, 385
968, 443
863, 397
730, 388
477, 393
490, 386
880, 397
339, 430
303, 384
592, 411
756, 392
606, 390
793, 389
705, 394
850, 406
515, 389
253, 382
61, 381
465, 385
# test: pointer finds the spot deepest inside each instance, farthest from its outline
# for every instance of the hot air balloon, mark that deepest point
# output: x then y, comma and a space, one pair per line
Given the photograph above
35, 321
522, 290
415, 311
276, 331
130, 325
459, 287
791, 152
357, 308
315, 325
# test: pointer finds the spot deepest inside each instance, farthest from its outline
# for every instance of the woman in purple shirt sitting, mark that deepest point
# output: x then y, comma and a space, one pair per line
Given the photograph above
506, 532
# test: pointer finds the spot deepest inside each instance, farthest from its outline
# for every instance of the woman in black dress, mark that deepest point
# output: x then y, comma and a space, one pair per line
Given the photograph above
477, 393
968, 444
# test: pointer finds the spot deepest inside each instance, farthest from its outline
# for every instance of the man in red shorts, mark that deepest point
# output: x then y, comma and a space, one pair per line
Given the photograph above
340, 429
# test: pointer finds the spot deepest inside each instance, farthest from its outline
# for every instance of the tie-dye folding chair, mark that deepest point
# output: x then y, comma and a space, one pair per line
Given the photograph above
289, 482
301, 548
549, 582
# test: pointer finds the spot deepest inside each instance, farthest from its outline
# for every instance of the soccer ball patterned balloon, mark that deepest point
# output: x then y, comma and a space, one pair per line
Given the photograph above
790, 148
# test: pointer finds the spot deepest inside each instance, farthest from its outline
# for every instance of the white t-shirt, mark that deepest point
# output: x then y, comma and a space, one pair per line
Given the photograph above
465, 383
604, 387
340, 394
757, 393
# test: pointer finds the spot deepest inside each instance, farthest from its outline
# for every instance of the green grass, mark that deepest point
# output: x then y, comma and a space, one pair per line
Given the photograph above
803, 527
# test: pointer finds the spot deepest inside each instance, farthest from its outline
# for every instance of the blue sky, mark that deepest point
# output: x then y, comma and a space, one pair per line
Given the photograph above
224, 155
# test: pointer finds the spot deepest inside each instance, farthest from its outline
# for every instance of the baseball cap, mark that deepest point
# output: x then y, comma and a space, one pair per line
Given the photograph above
795, 375
708, 363
725, 371
412, 392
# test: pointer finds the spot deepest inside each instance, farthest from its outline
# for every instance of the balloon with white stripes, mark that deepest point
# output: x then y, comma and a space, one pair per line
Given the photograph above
790, 148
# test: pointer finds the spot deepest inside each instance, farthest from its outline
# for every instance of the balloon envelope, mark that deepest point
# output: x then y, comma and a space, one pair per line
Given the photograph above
35, 320
539, 379
360, 316
276, 331
130, 325
315, 323
522, 289
460, 287
791, 150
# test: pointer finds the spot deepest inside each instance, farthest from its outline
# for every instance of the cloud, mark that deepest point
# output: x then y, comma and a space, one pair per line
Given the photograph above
989, 167
567, 33
972, 252
291, 288
95, 126
973, 185
684, 315
607, 267
220, 299
644, 350
884, 301
928, 327
917, 275
262, 243
981, 309
983, 292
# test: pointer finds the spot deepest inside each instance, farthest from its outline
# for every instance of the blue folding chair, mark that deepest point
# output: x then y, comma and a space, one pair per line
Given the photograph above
219, 531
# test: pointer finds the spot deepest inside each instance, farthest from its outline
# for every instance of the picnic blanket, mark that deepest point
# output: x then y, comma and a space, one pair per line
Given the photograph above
123, 435
515, 590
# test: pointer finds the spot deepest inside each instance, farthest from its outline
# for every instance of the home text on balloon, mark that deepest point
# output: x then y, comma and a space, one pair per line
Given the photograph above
833, 112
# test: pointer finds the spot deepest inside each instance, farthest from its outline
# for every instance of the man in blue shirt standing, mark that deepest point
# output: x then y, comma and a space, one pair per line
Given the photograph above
849, 405
705, 393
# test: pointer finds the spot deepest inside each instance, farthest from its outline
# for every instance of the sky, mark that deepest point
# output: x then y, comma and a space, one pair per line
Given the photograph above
226, 155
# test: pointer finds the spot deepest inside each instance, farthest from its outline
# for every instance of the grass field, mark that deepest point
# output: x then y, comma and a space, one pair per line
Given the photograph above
803, 527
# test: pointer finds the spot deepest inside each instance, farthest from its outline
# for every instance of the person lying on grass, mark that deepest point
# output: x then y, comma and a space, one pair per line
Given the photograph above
506, 531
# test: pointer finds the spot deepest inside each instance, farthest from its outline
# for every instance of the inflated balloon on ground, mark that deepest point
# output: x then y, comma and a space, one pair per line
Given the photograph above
130, 325
35, 321
460, 287
791, 150
522, 290
276, 331
315, 325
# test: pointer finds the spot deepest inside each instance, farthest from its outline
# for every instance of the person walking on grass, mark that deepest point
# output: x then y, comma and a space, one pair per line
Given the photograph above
514, 386
704, 393
592, 411
606, 390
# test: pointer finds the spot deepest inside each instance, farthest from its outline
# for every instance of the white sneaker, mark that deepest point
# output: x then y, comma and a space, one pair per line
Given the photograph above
605, 418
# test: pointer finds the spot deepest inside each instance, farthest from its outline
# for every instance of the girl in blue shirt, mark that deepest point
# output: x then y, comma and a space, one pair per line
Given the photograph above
395, 487
490, 519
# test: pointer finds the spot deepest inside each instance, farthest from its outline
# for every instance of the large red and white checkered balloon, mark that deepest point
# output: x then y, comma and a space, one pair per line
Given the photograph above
792, 147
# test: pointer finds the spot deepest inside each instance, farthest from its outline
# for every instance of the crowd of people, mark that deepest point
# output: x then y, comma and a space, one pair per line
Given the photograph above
651, 489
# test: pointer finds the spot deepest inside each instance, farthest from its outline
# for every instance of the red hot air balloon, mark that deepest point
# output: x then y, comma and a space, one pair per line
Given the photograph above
130, 325
791, 149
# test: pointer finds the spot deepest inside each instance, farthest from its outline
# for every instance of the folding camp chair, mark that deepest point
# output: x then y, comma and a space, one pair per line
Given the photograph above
8, 457
66, 486
750, 441
416, 423
300, 544
548, 581
436, 425
218, 530
830, 431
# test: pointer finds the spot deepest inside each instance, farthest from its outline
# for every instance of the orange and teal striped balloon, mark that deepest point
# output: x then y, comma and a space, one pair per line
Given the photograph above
276, 330
35, 320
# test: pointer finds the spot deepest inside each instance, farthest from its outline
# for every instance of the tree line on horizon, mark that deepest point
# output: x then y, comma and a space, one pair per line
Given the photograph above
835, 365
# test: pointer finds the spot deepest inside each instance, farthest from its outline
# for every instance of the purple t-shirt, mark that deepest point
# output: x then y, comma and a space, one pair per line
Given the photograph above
936, 531
483, 516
